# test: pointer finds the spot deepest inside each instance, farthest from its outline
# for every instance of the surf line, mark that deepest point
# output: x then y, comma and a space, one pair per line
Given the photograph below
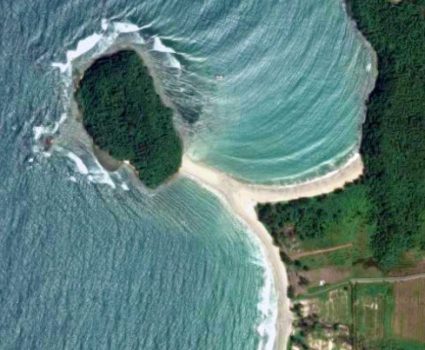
241, 199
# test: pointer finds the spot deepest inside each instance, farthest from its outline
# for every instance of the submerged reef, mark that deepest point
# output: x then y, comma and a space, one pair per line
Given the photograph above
127, 119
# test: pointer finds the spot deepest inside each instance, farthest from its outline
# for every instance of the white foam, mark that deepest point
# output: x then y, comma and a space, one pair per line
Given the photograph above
63, 67
58, 123
100, 176
96, 44
41, 130
268, 308
81, 167
173, 62
95, 174
125, 27
100, 41
83, 46
145, 26
159, 46
104, 23
369, 67
192, 58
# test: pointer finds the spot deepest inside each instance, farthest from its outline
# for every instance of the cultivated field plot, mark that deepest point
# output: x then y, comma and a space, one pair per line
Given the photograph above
372, 312
337, 306
370, 315
409, 312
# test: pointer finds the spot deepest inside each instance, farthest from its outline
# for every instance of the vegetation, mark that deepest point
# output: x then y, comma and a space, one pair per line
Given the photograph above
323, 322
341, 257
319, 222
353, 315
395, 344
393, 142
373, 306
126, 118
335, 306
389, 203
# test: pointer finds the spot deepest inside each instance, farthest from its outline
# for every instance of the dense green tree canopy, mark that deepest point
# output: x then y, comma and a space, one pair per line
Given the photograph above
393, 145
126, 117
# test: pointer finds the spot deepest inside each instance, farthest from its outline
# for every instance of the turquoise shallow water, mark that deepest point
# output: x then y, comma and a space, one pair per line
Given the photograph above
268, 91
290, 102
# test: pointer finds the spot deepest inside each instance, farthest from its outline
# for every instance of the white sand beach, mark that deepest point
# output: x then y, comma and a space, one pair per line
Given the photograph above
242, 198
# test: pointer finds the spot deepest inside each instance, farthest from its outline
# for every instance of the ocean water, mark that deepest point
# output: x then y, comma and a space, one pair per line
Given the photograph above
289, 102
269, 91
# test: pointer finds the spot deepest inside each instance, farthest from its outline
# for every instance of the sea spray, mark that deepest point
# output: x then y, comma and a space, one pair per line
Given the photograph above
96, 173
267, 304
82, 168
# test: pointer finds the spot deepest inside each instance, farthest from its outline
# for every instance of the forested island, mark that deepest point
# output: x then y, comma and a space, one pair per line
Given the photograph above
376, 226
127, 119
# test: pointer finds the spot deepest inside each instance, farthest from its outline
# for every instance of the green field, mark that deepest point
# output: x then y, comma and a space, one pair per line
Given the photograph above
393, 344
319, 222
341, 258
373, 306
335, 306
360, 314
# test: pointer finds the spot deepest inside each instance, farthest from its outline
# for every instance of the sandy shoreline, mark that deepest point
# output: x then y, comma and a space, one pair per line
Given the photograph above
239, 197
242, 198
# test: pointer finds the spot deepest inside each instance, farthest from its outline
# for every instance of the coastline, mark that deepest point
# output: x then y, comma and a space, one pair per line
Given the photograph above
241, 198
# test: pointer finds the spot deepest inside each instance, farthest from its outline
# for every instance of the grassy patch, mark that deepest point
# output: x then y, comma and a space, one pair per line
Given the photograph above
325, 221
395, 344
335, 306
377, 316
342, 257
373, 306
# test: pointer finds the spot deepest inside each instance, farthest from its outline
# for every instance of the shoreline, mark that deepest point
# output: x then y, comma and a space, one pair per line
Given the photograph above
241, 198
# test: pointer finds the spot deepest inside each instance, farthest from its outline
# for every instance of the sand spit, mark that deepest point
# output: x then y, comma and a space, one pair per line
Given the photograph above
242, 198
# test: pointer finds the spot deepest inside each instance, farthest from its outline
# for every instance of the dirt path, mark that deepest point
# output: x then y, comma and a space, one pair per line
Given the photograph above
364, 281
319, 251
388, 279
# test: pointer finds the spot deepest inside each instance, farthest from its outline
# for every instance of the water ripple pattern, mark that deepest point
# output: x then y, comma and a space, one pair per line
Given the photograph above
269, 91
